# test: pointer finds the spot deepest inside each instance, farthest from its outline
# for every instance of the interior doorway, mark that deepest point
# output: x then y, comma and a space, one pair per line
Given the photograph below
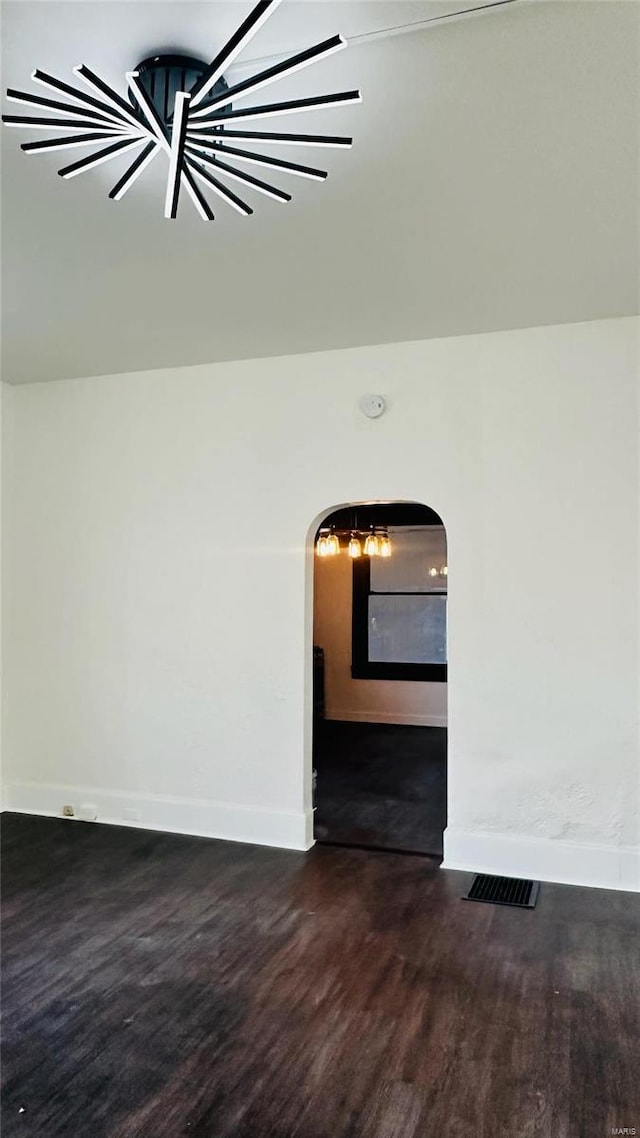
380, 678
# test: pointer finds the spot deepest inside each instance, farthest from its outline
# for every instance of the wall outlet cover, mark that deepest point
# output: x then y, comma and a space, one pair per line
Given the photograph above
88, 812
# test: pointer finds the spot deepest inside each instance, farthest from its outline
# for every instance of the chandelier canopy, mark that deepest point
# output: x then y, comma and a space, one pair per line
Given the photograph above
185, 109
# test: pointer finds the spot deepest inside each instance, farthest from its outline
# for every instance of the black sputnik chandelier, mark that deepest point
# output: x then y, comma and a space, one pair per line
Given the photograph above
185, 109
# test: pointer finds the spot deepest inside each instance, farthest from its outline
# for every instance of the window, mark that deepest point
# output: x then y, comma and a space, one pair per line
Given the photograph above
400, 609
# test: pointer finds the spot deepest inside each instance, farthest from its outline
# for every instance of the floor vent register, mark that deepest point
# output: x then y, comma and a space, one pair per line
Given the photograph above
503, 891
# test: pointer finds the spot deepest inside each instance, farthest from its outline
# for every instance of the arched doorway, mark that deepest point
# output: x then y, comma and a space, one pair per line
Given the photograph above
380, 677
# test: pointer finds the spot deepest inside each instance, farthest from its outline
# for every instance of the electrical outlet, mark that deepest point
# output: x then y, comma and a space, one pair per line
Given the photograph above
68, 812
88, 812
130, 814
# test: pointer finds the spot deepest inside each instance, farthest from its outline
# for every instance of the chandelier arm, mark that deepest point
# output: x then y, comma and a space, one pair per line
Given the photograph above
340, 98
240, 176
227, 195
160, 132
54, 84
113, 98
63, 143
14, 96
177, 168
262, 159
65, 124
137, 167
232, 49
196, 195
176, 153
329, 140
153, 123
100, 156
295, 63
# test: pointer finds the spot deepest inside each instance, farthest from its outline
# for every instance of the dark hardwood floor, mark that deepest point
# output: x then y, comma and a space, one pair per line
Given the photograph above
381, 785
158, 986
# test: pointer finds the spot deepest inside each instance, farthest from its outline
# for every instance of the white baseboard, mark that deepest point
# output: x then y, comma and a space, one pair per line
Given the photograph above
387, 717
233, 822
603, 867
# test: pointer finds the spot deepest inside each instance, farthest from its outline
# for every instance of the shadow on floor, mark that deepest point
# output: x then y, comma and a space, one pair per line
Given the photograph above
381, 785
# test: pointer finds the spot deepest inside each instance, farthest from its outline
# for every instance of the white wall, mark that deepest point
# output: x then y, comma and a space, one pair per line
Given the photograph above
158, 597
2, 400
366, 701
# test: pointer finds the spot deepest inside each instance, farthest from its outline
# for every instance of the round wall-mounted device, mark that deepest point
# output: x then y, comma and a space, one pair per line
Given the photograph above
373, 406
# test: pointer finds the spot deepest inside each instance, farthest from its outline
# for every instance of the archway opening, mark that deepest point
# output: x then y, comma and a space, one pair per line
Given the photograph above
379, 750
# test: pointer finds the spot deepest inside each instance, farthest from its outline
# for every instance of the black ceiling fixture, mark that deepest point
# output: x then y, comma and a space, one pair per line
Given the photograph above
183, 107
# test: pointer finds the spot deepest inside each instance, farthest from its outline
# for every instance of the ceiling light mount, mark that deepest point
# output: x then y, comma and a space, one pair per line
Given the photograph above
184, 108
163, 75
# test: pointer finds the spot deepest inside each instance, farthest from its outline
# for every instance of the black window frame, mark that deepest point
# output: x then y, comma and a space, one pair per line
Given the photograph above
362, 668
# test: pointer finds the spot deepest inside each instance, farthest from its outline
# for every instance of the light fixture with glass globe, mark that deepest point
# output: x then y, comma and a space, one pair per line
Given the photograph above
355, 546
377, 542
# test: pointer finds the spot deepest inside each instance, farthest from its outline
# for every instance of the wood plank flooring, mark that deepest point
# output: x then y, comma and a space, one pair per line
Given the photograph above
158, 986
381, 784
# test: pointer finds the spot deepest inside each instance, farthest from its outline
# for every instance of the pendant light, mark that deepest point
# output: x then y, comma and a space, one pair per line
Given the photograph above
372, 545
384, 545
333, 545
328, 543
355, 546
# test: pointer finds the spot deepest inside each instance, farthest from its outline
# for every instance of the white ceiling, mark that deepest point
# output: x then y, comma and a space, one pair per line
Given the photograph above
493, 183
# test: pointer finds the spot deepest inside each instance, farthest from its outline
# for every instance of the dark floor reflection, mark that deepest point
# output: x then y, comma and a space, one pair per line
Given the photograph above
381, 785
